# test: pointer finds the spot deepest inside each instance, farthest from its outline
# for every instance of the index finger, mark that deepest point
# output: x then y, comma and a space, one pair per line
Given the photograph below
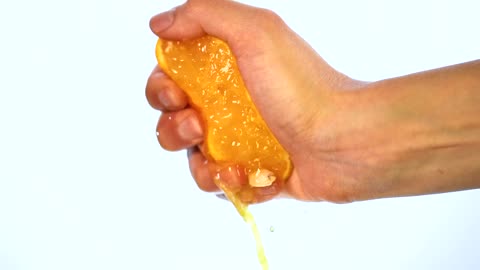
163, 94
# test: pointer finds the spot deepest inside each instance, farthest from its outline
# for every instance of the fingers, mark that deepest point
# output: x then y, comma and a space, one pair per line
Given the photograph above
204, 172
179, 130
251, 195
270, 56
163, 94
199, 168
249, 32
232, 177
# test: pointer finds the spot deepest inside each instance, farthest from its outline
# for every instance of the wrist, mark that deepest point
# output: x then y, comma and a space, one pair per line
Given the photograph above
428, 132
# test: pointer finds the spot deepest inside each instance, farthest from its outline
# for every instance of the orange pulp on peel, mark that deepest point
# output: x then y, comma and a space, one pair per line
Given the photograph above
236, 134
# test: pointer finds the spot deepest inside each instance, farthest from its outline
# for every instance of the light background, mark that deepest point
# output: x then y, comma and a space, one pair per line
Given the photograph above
84, 184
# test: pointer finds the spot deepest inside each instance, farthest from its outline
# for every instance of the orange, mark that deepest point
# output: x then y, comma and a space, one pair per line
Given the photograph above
236, 134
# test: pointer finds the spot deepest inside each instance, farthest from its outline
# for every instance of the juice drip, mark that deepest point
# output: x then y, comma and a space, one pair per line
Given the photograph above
242, 209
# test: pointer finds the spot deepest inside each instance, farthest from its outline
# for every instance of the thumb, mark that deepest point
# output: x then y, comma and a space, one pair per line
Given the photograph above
224, 19
280, 70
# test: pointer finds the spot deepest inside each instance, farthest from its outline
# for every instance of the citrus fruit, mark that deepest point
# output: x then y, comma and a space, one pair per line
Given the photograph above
235, 133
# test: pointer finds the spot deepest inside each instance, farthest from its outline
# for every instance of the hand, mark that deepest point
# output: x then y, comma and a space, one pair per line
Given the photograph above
342, 135
284, 75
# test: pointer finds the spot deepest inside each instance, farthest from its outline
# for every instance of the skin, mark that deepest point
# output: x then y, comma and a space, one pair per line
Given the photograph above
349, 140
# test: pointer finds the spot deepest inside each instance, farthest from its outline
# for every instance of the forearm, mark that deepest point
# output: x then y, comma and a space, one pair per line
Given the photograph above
429, 126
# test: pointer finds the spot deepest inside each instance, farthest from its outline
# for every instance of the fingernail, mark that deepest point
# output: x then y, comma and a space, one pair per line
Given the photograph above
190, 129
166, 99
162, 21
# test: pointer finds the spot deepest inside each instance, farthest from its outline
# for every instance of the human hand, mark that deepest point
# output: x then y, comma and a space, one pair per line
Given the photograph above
281, 71
341, 134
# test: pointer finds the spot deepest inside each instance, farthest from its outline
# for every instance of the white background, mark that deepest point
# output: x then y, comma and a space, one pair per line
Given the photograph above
84, 184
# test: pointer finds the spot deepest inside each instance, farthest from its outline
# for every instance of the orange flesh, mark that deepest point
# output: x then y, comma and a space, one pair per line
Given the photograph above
236, 135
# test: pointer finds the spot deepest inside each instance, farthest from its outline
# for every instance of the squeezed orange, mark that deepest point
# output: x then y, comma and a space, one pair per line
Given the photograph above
236, 134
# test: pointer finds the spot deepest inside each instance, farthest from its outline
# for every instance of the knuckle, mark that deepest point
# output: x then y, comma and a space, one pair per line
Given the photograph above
165, 143
270, 15
199, 171
266, 26
204, 184
268, 19
166, 134
205, 187
193, 6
